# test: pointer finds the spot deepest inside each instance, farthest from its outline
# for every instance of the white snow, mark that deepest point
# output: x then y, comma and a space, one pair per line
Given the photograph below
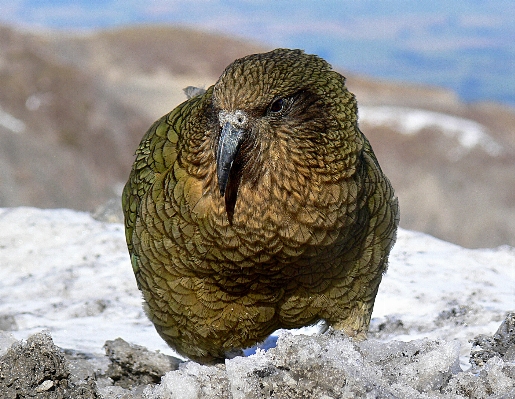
411, 121
428, 278
63, 271
10, 122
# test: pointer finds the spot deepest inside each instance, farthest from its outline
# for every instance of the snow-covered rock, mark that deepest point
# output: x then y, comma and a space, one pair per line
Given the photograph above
410, 121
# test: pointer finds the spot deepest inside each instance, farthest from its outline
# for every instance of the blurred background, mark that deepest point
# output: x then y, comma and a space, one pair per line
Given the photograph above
81, 81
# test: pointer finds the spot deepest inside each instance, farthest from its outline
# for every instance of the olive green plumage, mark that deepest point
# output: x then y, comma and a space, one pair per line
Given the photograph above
257, 205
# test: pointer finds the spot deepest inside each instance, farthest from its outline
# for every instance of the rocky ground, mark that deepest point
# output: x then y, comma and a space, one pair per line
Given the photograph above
329, 365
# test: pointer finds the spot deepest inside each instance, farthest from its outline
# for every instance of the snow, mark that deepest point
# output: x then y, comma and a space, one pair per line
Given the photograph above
411, 121
65, 272
10, 122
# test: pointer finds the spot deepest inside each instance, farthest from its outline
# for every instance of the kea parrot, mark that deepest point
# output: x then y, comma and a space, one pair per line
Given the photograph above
258, 204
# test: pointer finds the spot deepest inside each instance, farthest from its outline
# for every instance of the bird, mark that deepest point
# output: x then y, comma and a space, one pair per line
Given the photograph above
256, 205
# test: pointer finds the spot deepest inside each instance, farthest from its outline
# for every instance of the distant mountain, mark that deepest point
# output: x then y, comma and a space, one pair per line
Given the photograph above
466, 46
73, 108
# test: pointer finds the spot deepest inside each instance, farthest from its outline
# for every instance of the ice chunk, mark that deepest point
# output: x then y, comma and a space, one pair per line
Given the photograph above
424, 365
178, 385
329, 365
6, 340
192, 381
501, 344
242, 370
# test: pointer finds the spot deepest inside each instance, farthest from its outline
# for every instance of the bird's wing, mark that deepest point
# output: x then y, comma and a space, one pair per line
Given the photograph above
383, 204
156, 156
156, 152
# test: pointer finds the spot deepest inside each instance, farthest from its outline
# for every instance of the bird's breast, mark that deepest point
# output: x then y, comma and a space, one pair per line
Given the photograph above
271, 225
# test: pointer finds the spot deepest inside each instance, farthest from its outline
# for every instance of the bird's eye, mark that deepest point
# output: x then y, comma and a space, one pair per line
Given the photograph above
277, 106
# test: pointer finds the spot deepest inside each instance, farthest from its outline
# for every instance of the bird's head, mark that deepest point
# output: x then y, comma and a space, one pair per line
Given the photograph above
283, 101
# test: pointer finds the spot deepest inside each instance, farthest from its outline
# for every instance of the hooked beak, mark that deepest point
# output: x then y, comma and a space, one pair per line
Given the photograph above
229, 145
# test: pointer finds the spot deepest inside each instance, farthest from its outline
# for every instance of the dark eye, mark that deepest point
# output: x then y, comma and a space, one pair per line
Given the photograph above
277, 106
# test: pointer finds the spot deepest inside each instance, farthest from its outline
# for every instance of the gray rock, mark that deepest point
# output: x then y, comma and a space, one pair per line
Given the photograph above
501, 344
37, 368
133, 365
